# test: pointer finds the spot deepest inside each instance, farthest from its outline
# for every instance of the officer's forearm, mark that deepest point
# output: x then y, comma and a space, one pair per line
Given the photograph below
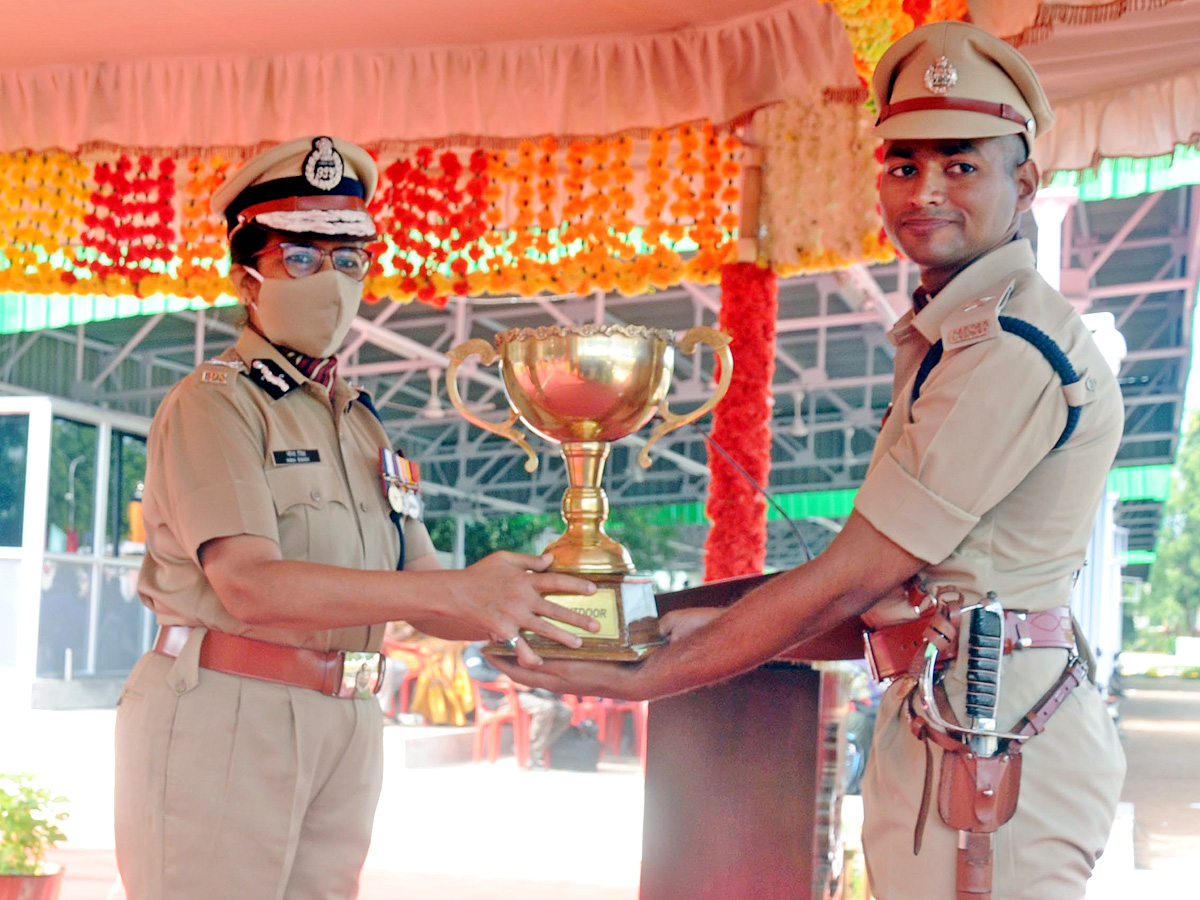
259, 588
816, 598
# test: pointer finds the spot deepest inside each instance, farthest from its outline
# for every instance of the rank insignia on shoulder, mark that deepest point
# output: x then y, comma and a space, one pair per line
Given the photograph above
401, 483
228, 363
214, 376
269, 376
976, 322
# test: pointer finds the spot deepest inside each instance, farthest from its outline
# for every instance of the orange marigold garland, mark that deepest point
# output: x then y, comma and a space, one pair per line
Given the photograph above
737, 539
564, 219
872, 25
202, 250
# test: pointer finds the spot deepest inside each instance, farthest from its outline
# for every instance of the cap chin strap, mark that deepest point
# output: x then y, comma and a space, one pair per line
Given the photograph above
957, 104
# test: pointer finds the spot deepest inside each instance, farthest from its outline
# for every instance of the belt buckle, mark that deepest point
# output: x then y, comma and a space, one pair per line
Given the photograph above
362, 674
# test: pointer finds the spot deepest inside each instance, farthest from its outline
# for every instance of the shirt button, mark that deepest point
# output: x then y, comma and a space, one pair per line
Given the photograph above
316, 495
1090, 384
363, 506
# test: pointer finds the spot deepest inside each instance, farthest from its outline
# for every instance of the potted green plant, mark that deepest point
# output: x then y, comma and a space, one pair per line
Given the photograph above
29, 818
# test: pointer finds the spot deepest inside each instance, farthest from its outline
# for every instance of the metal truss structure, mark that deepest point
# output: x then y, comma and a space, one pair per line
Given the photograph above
1136, 258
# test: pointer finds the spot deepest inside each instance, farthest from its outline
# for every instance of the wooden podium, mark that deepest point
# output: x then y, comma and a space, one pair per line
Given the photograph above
743, 779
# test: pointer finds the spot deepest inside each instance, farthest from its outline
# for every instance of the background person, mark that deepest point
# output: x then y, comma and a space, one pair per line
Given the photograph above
549, 715
979, 482
248, 754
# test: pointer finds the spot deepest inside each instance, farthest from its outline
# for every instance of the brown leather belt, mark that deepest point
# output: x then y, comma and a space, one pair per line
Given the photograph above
345, 674
890, 651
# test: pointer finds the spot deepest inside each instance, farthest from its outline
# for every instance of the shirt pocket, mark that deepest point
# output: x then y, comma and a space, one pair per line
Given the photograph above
315, 521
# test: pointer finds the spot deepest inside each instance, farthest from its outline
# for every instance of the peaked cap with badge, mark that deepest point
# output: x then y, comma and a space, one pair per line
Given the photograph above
955, 80
311, 185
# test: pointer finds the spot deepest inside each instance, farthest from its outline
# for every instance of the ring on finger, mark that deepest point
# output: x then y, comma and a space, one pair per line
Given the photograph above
511, 643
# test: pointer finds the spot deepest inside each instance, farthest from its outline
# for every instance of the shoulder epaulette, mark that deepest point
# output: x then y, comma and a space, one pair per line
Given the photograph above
271, 377
1043, 342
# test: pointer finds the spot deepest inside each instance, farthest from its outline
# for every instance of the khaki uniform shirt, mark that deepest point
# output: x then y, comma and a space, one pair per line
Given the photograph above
967, 479
246, 444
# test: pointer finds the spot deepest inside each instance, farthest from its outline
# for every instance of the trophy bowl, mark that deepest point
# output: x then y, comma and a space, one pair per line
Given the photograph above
583, 387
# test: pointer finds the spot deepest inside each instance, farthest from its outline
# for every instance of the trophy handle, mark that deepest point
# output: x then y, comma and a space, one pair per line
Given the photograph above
719, 341
487, 355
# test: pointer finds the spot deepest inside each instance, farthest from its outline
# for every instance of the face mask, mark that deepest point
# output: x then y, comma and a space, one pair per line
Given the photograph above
310, 314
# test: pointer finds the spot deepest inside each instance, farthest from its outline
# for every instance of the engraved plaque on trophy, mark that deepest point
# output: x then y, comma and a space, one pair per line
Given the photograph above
583, 387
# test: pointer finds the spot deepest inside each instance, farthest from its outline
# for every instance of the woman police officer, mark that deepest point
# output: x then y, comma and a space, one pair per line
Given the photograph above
249, 749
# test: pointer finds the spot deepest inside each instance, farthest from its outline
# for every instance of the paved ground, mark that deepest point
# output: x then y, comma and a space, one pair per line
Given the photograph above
1160, 726
465, 832
470, 832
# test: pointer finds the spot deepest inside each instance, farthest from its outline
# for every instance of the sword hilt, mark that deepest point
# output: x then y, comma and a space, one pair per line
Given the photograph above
985, 647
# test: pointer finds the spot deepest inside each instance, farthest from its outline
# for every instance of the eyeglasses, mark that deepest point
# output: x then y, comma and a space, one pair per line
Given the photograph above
301, 260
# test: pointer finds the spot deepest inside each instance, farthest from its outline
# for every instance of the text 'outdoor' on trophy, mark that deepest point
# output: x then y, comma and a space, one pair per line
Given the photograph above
584, 387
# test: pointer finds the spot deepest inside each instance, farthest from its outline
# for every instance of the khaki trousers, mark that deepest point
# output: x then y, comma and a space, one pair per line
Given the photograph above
1070, 782
228, 787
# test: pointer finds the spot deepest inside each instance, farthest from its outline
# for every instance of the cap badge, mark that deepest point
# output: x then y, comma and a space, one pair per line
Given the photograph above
941, 76
323, 167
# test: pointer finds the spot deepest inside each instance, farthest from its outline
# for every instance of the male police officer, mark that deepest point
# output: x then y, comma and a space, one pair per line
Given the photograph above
985, 481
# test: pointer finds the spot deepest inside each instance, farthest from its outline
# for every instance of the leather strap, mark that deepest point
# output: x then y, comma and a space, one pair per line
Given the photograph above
974, 872
1035, 720
960, 104
973, 880
892, 651
317, 670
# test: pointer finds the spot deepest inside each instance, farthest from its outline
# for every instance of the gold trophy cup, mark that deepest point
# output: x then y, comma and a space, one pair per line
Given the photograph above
583, 387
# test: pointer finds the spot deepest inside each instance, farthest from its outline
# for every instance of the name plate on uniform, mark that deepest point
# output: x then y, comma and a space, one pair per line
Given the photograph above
601, 606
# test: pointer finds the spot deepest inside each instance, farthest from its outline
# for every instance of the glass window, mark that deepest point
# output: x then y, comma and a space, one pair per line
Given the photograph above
14, 448
63, 621
70, 502
128, 474
123, 632
10, 579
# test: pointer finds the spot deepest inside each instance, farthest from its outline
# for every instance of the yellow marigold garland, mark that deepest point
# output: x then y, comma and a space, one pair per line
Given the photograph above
872, 25
43, 200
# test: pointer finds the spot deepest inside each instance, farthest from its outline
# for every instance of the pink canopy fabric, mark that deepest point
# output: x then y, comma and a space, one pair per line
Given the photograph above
84, 75
1125, 87
573, 85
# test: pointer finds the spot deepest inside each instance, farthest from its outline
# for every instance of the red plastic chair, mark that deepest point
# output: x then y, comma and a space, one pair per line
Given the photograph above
609, 716
614, 714
489, 723
412, 655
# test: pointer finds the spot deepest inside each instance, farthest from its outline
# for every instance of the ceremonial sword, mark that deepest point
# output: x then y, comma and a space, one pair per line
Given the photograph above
985, 649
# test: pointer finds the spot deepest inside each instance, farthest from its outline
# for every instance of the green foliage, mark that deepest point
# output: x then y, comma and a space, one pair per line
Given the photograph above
1170, 605
27, 824
518, 533
634, 526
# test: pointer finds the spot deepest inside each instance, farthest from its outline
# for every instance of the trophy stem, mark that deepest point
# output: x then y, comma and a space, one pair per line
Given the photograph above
585, 549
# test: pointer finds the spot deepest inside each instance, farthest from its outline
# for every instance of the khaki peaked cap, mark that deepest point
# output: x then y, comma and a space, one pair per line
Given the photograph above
954, 80
314, 185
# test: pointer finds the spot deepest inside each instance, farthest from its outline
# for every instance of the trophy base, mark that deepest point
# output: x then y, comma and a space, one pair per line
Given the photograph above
623, 604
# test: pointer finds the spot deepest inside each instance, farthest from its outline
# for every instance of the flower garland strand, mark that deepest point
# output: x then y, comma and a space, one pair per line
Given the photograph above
129, 227
633, 215
872, 25
818, 204
737, 539
43, 199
